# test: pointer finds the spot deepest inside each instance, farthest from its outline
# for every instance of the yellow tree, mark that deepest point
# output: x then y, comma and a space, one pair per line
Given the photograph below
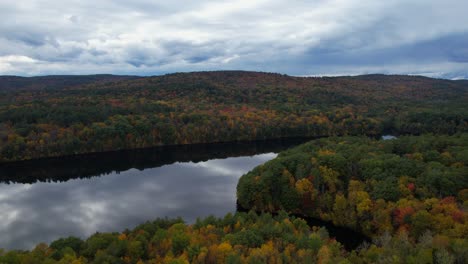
330, 177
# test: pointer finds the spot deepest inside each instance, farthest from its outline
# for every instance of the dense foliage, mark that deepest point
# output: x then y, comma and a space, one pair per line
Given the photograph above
410, 194
411, 185
16, 83
239, 238
56, 116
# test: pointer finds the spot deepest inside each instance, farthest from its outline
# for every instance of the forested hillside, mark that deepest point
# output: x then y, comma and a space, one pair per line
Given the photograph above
412, 187
47, 119
17, 83
410, 195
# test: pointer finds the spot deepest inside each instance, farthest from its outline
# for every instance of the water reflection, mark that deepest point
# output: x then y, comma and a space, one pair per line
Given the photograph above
45, 211
388, 137
98, 164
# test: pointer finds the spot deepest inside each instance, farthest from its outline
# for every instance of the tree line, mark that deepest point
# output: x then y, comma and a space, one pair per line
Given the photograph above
205, 107
237, 238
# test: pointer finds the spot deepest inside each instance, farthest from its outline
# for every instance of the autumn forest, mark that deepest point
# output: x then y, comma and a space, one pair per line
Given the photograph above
56, 117
408, 195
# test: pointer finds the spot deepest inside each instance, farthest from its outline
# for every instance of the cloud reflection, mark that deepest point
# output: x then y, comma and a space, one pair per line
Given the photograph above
43, 212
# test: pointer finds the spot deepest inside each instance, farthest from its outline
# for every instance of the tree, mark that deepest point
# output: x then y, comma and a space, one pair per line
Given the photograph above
340, 208
421, 221
330, 177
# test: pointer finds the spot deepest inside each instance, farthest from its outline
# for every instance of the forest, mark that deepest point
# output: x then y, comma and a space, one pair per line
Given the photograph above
409, 195
57, 116
411, 187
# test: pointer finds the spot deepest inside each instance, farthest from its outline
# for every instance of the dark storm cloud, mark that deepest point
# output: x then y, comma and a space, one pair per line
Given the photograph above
451, 48
28, 38
294, 37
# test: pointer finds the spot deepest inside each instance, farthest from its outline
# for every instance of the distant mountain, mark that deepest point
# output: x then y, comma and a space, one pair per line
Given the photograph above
242, 79
56, 81
227, 83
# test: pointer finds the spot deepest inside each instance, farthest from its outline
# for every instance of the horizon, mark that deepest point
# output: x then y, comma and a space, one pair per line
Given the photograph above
265, 72
297, 38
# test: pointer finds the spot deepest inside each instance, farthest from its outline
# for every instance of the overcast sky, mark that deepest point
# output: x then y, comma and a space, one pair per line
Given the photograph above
315, 37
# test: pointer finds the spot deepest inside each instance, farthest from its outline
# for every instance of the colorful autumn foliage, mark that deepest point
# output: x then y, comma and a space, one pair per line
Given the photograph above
373, 186
70, 115
410, 195
238, 238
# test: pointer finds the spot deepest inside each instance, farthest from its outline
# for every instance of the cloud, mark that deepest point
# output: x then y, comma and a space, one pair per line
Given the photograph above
294, 37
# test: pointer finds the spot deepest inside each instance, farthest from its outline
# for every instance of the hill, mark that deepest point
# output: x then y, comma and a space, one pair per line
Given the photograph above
413, 188
16, 83
55, 116
370, 185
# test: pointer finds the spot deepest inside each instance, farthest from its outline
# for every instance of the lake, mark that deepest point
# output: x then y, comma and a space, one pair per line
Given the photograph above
43, 200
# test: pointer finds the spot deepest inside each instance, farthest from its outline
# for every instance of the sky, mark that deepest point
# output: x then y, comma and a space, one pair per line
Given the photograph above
301, 38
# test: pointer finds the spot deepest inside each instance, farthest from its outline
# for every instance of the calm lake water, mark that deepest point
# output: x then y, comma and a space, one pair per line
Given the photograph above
43, 200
